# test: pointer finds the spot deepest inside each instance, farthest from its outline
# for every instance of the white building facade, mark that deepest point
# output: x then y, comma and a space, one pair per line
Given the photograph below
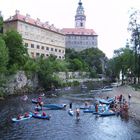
39, 38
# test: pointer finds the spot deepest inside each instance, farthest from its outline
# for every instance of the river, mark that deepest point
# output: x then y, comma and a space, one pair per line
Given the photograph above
62, 126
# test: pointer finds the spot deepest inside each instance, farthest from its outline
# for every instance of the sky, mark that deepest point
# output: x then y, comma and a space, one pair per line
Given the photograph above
108, 18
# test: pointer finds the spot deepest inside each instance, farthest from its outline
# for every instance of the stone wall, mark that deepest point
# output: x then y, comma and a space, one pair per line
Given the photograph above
20, 82
72, 75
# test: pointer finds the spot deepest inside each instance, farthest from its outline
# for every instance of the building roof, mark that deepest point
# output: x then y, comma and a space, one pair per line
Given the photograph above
29, 20
78, 31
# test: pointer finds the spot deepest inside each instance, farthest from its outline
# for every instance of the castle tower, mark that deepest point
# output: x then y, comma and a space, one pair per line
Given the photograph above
80, 17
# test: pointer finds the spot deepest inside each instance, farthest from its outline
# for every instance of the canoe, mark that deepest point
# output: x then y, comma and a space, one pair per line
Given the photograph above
70, 112
107, 113
55, 106
39, 116
22, 118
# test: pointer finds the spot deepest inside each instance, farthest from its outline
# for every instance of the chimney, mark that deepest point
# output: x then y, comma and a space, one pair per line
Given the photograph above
17, 12
27, 16
38, 20
46, 23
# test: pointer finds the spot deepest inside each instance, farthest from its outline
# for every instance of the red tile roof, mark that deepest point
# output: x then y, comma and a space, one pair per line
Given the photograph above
36, 22
78, 31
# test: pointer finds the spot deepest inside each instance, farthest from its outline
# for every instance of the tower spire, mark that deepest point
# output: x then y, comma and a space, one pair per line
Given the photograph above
80, 17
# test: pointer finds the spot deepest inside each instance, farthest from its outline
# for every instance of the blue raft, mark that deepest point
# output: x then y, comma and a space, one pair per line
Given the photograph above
22, 118
39, 116
107, 113
55, 106
34, 101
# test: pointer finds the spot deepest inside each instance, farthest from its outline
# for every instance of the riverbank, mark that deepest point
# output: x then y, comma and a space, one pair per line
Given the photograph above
135, 99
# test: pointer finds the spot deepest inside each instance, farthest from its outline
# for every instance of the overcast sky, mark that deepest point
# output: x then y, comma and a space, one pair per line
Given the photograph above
109, 18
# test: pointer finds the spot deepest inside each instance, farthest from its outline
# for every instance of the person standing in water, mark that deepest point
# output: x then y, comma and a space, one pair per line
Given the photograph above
129, 98
70, 105
77, 113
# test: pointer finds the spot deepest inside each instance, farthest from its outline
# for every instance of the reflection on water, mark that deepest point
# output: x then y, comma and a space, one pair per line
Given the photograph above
62, 126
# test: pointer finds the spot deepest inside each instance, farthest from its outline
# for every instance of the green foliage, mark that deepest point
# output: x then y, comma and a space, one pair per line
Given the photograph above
3, 56
122, 62
76, 65
85, 60
13, 69
93, 74
17, 52
47, 68
31, 66
60, 65
93, 57
1, 24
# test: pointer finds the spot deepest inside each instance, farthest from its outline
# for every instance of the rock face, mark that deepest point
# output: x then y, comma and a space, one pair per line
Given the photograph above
20, 82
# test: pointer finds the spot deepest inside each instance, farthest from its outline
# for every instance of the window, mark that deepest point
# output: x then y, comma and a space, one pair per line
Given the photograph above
32, 45
42, 54
47, 48
26, 44
37, 54
60, 57
32, 54
47, 55
38, 47
59, 50
55, 50
42, 47
51, 49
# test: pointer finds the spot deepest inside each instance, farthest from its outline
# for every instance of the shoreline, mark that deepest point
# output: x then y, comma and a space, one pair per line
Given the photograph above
134, 106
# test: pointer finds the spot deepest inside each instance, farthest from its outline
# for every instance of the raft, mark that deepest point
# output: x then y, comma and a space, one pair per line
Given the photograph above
39, 116
55, 106
34, 101
103, 101
22, 118
107, 113
88, 111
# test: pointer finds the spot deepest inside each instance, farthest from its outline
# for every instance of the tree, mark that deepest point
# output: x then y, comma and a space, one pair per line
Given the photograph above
47, 68
90, 59
17, 51
1, 23
134, 28
3, 64
76, 64
3, 56
123, 62
93, 57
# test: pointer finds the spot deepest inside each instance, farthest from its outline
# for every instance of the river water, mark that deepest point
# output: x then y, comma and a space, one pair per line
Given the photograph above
62, 126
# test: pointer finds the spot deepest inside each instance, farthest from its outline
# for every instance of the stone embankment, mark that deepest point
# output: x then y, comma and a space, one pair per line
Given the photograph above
19, 82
